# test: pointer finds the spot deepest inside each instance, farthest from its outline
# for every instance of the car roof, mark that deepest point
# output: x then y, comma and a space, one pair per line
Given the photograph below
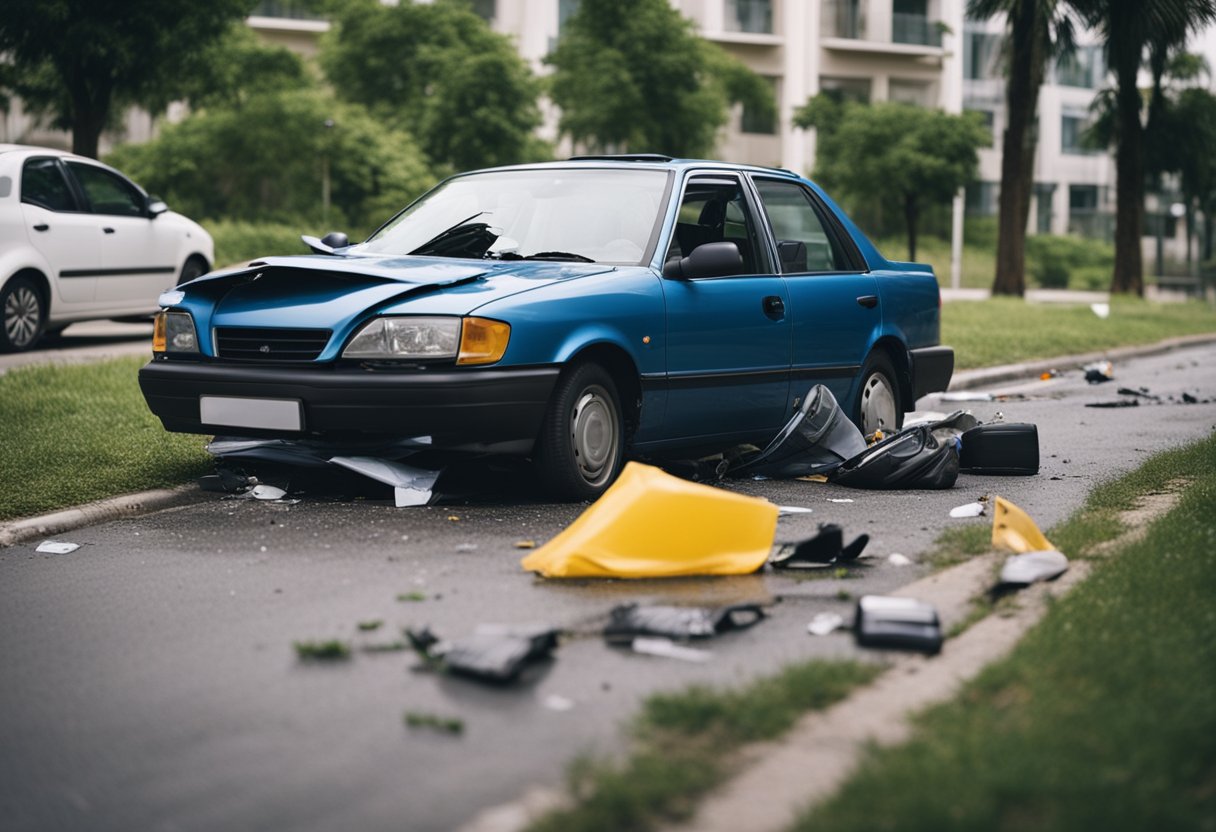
39, 151
653, 161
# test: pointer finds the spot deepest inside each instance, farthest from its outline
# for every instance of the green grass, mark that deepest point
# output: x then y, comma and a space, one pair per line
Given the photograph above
322, 651
979, 264
1007, 330
73, 434
682, 744
443, 724
1104, 715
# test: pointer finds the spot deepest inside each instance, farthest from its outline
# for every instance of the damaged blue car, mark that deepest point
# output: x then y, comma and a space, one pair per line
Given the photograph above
574, 313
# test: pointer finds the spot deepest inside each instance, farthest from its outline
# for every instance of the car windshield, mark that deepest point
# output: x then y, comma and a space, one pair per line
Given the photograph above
590, 215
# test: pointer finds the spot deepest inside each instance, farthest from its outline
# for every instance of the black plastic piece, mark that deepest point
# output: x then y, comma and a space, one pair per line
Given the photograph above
932, 368
630, 620
825, 548
905, 623
818, 439
913, 458
1001, 448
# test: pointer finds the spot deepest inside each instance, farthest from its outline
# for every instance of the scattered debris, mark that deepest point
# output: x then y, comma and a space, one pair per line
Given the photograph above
839, 500
525, 544
1013, 530
262, 491
554, 702
1029, 567
452, 518
57, 547
369, 626
1115, 403
1102, 310
668, 649
968, 510
1047, 375
913, 458
1003, 448
466, 547
631, 620
1142, 393
966, 396
493, 653
817, 440
786, 511
896, 559
813, 478
322, 651
888, 621
411, 486
447, 725
824, 549
825, 623
649, 524
1099, 372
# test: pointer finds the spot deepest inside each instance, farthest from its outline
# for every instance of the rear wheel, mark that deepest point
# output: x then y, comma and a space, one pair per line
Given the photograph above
581, 446
194, 267
878, 404
24, 315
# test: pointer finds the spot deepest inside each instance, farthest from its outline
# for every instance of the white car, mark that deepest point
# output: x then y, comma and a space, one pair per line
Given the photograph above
80, 241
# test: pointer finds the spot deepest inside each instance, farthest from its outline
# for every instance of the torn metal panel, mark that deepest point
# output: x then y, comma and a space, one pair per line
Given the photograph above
411, 486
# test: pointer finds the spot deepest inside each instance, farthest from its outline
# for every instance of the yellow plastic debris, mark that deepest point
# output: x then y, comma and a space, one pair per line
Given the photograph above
653, 525
1013, 529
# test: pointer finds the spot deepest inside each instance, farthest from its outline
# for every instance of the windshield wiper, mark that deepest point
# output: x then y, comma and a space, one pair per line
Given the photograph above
465, 226
557, 255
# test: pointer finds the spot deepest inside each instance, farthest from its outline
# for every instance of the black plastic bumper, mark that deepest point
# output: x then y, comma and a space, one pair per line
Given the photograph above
932, 368
476, 406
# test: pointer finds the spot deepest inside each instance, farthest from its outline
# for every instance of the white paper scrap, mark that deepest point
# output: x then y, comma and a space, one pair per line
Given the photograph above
824, 623
968, 510
56, 547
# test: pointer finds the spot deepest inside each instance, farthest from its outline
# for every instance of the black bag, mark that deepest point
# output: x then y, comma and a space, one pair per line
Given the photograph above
816, 440
1001, 448
913, 458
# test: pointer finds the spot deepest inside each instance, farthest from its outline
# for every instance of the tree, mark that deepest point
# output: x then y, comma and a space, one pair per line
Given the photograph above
1037, 30
897, 153
1133, 30
265, 161
438, 70
631, 75
77, 61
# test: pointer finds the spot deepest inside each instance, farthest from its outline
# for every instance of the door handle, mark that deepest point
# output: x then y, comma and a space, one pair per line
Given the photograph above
108, 230
868, 301
774, 307
42, 227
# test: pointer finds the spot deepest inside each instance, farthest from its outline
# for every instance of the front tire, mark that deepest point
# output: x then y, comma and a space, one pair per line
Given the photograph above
193, 267
24, 315
879, 406
582, 441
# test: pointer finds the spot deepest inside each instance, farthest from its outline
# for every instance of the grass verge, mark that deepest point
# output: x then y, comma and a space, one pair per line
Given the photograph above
83, 432
1007, 330
683, 743
1102, 718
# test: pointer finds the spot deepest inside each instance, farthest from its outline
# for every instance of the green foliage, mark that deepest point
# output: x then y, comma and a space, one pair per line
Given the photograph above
265, 162
321, 651
439, 71
77, 60
1053, 260
236, 241
632, 76
893, 153
76, 433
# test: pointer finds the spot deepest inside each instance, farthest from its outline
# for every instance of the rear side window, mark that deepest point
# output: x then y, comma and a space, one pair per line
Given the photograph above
108, 193
803, 243
42, 184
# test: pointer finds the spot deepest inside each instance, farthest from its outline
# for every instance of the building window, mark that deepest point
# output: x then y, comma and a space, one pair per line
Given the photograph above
910, 23
846, 89
1083, 68
764, 123
752, 16
566, 9
1072, 129
919, 93
1082, 198
844, 19
1044, 193
485, 9
988, 119
981, 199
981, 56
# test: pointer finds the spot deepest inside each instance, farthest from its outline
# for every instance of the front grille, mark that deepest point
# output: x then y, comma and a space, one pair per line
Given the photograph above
251, 344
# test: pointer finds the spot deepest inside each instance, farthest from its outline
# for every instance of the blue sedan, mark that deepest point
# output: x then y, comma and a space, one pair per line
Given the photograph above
571, 312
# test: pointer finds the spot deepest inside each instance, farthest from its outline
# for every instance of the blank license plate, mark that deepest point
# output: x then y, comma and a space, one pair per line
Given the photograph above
264, 414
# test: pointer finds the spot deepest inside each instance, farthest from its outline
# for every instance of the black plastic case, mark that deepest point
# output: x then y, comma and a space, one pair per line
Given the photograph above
1001, 448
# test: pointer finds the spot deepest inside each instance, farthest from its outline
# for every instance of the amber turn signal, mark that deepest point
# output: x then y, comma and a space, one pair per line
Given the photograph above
158, 333
483, 341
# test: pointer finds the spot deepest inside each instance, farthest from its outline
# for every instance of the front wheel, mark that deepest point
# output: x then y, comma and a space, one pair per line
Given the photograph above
24, 314
582, 440
878, 404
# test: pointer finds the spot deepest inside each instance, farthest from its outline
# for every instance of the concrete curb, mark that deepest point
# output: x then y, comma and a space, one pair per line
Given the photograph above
114, 508
971, 379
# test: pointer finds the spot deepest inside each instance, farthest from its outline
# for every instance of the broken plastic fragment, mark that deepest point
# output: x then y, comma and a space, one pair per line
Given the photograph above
493, 652
888, 621
786, 511
411, 486
1099, 372
668, 649
525, 544
825, 548
824, 623
1012, 529
839, 500
896, 559
913, 458
631, 620
267, 492
57, 547
1029, 567
968, 510
816, 440
966, 396
649, 524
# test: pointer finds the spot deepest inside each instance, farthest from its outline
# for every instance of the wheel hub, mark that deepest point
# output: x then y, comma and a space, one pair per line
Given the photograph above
877, 405
21, 316
594, 434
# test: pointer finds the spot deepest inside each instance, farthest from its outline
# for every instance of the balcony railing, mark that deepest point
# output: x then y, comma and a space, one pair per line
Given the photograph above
915, 28
844, 19
750, 16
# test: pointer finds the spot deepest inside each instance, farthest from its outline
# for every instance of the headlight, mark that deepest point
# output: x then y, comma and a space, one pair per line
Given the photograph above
174, 332
406, 337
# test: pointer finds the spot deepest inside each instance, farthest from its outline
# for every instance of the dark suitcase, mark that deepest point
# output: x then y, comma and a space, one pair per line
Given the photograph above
1001, 448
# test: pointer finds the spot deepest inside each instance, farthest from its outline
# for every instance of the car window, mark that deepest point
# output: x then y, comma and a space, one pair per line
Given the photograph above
803, 243
42, 184
715, 211
107, 193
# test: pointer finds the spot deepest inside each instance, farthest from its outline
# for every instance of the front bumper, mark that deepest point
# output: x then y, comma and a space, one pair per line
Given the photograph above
476, 407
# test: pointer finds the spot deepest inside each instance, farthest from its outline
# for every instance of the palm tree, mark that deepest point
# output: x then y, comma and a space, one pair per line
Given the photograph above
1038, 29
1134, 30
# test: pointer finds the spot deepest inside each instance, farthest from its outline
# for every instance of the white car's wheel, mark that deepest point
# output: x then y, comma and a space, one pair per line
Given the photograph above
24, 313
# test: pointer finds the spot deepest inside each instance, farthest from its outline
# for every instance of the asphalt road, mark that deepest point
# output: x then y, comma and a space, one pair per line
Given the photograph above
84, 342
149, 680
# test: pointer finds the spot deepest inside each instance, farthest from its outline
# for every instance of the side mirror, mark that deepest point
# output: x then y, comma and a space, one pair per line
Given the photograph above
792, 254
336, 239
156, 206
706, 260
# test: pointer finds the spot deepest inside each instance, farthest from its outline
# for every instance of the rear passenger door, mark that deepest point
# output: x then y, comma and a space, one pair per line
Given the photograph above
834, 302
